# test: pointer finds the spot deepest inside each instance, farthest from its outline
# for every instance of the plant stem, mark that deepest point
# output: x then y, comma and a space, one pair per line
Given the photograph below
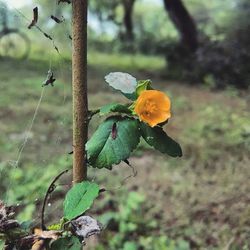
80, 98
49, 191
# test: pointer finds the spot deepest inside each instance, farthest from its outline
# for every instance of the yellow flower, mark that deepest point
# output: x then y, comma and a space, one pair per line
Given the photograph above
153, 107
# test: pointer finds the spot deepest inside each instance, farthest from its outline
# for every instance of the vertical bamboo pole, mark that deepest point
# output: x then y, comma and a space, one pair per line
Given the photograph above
79, 85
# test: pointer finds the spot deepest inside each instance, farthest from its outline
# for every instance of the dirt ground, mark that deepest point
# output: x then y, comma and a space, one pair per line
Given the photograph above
202, 197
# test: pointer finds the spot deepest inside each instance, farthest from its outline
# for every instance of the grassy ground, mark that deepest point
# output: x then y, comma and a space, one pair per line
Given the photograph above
198, 202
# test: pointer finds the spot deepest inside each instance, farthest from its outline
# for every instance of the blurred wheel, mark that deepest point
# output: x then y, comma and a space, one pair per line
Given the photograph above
14, 44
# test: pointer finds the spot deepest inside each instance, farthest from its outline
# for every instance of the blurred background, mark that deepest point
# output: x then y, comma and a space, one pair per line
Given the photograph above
198, 52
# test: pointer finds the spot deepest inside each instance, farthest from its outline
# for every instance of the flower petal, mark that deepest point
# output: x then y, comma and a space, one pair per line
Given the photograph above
153, 107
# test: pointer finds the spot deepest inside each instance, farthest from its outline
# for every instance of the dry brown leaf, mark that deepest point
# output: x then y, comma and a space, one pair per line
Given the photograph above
42, 236
53, 234
64, 1
39, 245
35, 18
3, 212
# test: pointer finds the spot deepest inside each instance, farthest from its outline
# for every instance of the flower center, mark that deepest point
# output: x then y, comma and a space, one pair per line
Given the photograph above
150, 107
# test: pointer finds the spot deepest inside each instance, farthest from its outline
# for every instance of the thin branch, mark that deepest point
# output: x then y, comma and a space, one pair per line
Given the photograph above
38, 28
91, 113
132, 175
49, 191
134, 171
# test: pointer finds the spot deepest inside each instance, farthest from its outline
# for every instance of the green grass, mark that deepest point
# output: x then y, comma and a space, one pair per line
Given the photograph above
105, 61
202, 198
131, 63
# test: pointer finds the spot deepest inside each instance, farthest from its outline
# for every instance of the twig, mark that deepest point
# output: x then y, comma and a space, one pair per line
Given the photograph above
134, 172
38, 28
91, 113
49, 191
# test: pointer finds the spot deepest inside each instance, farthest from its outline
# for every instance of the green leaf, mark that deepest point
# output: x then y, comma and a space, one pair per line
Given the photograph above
131, 97
68, 243
55, 226
1, 243
26, 225
58, 226
113, 141
114, 107
157, 138
143, 85
130, 245
121, 81
79, 199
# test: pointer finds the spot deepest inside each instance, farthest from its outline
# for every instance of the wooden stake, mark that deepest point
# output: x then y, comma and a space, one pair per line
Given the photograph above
79, 84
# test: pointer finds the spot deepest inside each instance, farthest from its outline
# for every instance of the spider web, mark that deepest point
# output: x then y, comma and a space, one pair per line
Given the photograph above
41, 140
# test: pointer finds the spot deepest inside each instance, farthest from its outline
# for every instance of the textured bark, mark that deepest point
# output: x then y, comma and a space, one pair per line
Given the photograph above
128, 18
80, 98
183, 21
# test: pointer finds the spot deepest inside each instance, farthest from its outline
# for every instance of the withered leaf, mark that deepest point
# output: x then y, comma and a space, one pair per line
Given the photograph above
85, 226
48, 36
56, 48
50, 79
8, 225
52, 234
64, 1
56, 19
3, 211
35, 18
102, 190
27, 241
42, 236
5, 222
39, 245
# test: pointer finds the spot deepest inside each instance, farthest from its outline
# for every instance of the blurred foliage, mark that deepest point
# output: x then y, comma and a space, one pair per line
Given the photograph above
223, 55
224, 52
145, 23
218, 129
1, 244
134, 230
28, 185
202, 200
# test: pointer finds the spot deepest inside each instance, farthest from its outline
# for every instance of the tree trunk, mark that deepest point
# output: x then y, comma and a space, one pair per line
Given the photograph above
128, 6
184, 23
79, 82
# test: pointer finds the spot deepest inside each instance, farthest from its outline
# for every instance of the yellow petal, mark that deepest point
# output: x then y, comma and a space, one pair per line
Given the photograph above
153, 107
